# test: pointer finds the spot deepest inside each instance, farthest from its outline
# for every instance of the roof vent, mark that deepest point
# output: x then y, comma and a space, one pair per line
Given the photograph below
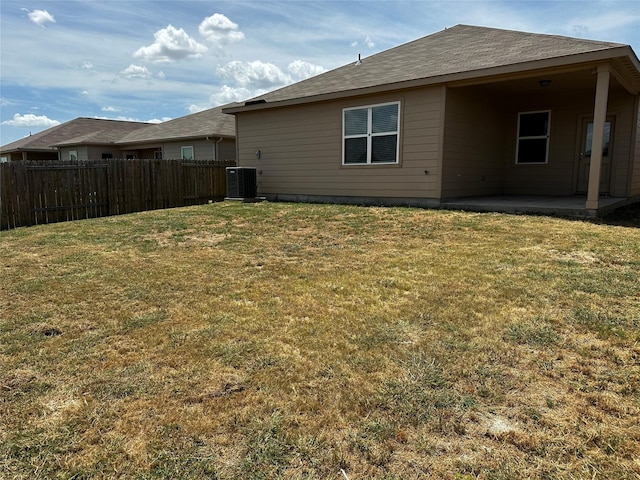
359, 62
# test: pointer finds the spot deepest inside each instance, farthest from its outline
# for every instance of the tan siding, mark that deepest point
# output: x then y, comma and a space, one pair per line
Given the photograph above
301, 149
83, 153
95, 152
227, 150
473, 144
635, 170
621, 105
202, 150
559, 176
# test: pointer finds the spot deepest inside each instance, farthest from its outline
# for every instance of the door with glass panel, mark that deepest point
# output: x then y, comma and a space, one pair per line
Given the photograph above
584, 159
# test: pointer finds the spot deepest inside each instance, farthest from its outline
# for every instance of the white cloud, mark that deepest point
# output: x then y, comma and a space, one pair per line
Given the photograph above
229, 94
300, 69
170, 44
136, 71
220, 30
40, 17
256, 74
30, 120
597, 25
196, 108
159, 120
4, 102
367, 42
86, 65
109, 109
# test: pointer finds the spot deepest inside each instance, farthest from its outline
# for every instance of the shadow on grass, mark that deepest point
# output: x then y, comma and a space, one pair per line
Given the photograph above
628, 216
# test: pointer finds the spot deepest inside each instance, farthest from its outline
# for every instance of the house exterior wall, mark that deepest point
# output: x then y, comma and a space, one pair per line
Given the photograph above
635, 167
26, 155
301, 149
227, 149
474, 147
465, 137
568, 111
202, 149
88, 152
95, 152
82, 151
622, 106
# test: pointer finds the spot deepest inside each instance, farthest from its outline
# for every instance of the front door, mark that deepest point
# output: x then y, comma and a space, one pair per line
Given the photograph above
584, 160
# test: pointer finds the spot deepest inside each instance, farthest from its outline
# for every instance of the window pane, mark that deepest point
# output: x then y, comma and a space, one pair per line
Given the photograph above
605, 143
385, 119
383, 149
355, 122
532, 150
355, 150
187, 153
534, 124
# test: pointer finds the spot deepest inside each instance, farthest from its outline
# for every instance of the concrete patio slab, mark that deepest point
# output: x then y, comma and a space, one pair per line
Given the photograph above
570, 206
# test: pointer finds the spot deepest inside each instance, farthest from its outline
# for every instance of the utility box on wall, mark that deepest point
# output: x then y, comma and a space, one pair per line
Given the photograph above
241, 182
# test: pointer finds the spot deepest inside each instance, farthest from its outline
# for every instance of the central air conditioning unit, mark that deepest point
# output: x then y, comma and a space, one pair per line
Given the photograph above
241, 183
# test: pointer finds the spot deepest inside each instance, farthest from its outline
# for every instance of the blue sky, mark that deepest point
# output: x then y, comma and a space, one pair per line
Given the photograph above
156, 60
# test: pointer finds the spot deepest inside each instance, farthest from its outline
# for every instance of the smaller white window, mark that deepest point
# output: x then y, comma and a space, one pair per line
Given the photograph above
533, 137
187, 153
4, 159
73, 155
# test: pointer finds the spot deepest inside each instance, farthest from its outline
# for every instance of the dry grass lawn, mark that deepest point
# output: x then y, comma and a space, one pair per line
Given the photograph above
265, 341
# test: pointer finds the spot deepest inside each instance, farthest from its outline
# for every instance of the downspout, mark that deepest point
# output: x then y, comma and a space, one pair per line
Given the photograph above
215, 148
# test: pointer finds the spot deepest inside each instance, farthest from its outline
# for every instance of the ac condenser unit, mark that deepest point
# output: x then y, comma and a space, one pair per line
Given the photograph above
241, 182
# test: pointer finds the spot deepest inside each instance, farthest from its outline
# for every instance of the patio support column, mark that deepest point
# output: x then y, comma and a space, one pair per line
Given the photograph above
599, 118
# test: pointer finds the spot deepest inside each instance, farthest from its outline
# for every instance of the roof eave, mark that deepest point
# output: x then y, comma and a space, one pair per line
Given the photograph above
175, 139
28, 149
571, 62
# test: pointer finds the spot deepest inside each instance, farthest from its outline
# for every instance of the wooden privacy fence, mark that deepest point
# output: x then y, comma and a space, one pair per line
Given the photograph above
37, 192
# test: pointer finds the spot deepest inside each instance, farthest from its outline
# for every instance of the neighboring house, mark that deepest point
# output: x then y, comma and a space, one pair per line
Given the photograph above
206, 135
463, 113
41, 146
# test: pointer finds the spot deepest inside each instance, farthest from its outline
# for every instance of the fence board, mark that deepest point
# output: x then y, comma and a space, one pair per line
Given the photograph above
37, 192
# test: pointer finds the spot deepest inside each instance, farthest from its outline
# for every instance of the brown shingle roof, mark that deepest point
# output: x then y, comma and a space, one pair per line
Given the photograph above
100, 130
211, 122
459, 49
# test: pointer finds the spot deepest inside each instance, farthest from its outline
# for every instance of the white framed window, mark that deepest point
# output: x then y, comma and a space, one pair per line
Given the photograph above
371, 134
187, 153
73, 155
533, 137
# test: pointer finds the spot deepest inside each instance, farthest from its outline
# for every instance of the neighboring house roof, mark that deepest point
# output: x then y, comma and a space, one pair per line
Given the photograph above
78, 128
458, 53
208, 123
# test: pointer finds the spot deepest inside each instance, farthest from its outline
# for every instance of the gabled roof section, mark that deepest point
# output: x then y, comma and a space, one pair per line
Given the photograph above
460, 52
208, 123
78, 128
